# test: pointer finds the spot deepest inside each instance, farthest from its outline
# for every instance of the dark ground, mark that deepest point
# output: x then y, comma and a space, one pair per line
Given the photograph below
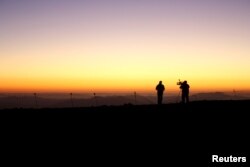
132, 135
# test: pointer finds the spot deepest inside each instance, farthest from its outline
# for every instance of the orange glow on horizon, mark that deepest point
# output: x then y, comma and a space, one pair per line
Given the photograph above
119, 86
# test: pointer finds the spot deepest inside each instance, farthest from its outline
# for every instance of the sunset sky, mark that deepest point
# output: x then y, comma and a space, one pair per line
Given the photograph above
124, 45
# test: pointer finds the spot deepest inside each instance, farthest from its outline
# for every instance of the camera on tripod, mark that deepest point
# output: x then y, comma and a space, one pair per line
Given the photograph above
179, 83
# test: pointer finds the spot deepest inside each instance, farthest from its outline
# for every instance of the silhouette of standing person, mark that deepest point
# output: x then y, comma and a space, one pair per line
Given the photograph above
160, 89
185, 92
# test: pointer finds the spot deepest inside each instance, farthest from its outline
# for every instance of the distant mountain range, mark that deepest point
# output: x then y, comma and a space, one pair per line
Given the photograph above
217, 96
15, 101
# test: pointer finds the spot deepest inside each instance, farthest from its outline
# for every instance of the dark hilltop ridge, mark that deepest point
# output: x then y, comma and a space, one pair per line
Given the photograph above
198, 113
170, 133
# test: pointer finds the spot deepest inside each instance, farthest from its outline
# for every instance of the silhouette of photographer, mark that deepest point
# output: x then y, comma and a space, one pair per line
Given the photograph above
160, 89
185, 92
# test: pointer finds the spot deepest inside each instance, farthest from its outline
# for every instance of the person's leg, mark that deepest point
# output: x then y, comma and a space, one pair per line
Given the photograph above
187, 98
160, 99
183, 98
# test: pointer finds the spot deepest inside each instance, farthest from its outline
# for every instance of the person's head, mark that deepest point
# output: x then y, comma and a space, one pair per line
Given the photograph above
160, 82
185, 82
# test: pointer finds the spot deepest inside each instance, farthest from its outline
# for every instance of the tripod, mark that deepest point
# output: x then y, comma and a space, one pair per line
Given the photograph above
178, 96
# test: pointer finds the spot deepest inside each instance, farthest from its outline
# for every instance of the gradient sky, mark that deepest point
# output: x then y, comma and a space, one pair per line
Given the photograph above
124, 45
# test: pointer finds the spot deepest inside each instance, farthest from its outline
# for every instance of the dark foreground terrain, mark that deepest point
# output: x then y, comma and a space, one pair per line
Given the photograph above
134, 135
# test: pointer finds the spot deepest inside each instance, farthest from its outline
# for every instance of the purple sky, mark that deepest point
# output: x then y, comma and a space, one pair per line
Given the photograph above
73, 38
